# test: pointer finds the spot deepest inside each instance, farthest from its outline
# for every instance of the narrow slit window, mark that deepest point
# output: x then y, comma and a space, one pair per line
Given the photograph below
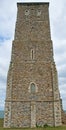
32, 54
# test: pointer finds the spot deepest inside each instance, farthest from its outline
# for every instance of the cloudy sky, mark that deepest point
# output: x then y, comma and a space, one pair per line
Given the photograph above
57, 12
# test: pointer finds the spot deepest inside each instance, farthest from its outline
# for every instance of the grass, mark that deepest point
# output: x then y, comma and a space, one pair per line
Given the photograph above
47, 128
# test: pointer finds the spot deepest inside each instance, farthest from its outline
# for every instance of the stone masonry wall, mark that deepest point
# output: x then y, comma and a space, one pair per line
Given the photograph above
32, 95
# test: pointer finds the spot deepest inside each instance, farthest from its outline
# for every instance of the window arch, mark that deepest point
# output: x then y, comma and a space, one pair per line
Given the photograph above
33, 88
38, 12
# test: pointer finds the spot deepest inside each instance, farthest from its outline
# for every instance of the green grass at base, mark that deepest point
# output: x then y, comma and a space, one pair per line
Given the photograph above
1, 122
47, 128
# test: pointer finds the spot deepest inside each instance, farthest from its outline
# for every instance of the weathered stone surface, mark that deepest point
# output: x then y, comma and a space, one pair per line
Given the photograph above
63, 117
32, 62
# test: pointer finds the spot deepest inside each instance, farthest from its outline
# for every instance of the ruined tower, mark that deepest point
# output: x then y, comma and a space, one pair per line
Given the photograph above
32, 96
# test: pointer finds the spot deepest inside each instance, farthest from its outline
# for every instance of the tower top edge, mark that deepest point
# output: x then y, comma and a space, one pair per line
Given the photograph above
32, 3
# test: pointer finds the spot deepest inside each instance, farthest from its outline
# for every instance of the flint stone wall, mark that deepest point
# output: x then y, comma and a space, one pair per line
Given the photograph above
32, 62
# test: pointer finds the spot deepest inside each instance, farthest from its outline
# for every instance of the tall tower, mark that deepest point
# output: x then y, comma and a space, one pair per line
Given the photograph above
32, 96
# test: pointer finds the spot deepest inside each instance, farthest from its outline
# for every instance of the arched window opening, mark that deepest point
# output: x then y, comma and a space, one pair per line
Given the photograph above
33, 88
38, 12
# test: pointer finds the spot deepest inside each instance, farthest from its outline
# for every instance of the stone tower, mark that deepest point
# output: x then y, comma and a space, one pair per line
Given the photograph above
32, 96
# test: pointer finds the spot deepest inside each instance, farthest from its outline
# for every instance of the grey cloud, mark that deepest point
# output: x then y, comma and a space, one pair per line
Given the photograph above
62, 81
63, 89
62, 72
2, 95
58, 19
2, 85
2, 79
1, 104
7, 18
64, 104
61, 49
60, 31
